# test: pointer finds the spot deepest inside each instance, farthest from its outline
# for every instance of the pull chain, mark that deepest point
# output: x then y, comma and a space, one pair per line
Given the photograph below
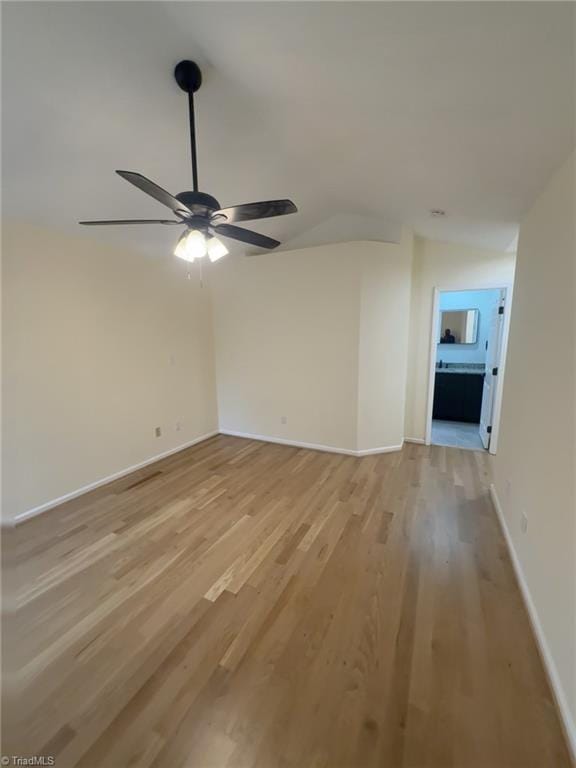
189, 274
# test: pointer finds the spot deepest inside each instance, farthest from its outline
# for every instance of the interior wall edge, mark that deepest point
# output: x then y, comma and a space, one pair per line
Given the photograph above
10, 522
568, 725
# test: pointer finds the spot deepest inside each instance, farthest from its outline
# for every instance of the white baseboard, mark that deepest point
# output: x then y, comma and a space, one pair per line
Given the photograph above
568, 724
22, 516
281, 441
381, 449
310, 446
418, 440
103, 481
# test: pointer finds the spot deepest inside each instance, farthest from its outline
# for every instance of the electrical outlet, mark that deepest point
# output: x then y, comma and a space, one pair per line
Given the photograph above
283, 420
158, 432
178, 426
523, 522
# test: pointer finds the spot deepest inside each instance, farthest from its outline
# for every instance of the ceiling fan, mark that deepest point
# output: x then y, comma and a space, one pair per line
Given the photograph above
200, 213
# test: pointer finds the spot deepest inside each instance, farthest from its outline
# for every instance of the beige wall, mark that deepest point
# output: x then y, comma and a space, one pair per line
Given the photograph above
317, 336
442, 265
286, 331
101, 345
536, 460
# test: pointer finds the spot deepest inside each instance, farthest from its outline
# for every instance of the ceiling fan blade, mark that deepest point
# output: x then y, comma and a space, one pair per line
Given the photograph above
263, 210
152, 189
129, 221
246, 236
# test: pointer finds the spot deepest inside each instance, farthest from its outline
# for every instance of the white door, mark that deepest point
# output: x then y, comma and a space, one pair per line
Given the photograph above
493, 349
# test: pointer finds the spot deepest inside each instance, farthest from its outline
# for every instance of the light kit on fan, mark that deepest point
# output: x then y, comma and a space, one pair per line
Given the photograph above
199, 212
194, 245
216, 249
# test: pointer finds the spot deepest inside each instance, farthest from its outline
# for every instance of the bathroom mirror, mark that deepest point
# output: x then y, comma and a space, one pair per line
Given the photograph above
458, 326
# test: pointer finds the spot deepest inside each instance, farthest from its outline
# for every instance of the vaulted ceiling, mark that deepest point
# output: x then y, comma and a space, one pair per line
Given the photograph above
368, 115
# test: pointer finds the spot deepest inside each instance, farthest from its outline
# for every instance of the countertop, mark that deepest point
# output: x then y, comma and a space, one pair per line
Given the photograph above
475, 369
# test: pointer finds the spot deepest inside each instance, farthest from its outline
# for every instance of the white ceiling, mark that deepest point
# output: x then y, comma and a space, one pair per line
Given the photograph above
359, 112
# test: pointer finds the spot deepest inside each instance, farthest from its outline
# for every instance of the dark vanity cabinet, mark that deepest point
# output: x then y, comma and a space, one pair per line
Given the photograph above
458, 396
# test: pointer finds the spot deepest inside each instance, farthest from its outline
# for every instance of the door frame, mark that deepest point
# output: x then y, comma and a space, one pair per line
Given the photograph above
435, 324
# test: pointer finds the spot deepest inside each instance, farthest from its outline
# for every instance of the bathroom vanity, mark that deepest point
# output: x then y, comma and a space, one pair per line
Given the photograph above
458, 392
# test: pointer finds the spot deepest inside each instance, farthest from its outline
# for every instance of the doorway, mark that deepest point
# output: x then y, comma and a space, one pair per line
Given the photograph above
467, 352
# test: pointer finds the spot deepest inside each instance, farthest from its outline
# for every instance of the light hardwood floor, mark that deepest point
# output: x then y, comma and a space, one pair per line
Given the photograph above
245, 604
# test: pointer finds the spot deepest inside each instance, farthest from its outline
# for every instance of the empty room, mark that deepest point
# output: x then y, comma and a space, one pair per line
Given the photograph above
289, 384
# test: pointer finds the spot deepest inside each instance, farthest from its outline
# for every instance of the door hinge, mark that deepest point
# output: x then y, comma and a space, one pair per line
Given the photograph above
489, 430
500, 310
494, 371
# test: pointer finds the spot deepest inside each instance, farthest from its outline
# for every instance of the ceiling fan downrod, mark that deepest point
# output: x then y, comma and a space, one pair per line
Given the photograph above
189, 78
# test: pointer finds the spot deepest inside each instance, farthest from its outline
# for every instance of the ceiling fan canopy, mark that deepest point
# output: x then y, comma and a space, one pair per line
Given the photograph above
200, 213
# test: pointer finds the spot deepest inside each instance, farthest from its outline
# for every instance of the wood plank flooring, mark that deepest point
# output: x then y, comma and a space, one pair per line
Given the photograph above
241, 604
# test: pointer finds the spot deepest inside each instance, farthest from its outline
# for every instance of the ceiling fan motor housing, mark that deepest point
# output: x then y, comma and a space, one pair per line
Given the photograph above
198, 202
